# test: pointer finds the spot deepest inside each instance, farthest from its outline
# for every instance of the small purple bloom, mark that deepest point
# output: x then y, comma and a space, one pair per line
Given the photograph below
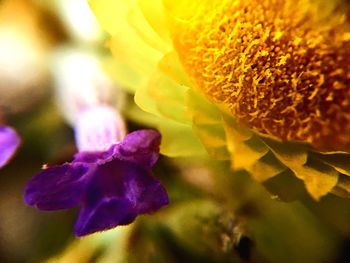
112, 187
9, 142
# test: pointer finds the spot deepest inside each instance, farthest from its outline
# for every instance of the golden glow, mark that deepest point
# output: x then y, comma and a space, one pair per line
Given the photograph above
280, 67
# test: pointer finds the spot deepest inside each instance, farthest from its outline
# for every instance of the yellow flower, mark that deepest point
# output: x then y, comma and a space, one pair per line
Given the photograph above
262, 83
277, 66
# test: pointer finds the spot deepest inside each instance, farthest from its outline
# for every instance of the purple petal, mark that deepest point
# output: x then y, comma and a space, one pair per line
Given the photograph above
107, 214
57, 187
147, 192
141, 147
117, 192
9, 142
93, 157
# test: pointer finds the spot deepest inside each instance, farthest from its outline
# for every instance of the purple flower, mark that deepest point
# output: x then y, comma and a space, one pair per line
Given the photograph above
111, 186
9, 142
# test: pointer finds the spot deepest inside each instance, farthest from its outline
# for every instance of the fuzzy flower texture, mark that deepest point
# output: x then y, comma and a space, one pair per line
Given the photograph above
111, 181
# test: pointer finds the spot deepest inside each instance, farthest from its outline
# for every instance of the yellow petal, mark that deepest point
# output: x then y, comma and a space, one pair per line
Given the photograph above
266, 167
153, 11
245, 153
319, 179
290, 154
136, 47
235, 130
163, 96
213, 139
203, 110
134, 60
207, 124
245, 148
179, 140
140, 24
134, 52
112, 14
171, 66
126, 76
145, 101
182, 10
339, 161
168, 96
342, 188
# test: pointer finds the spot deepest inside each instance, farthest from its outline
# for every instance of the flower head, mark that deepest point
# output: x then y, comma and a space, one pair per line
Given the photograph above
9, 142
279, 67
274, 75
112, 185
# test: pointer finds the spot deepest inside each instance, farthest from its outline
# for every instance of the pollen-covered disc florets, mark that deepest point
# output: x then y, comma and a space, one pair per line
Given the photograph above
280, 67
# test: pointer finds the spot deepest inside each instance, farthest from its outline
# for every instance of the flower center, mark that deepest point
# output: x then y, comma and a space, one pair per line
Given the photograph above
280, 67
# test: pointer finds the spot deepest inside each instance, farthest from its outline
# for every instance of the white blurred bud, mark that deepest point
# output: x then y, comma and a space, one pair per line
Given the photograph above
80, 83
79, 20
98, 127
